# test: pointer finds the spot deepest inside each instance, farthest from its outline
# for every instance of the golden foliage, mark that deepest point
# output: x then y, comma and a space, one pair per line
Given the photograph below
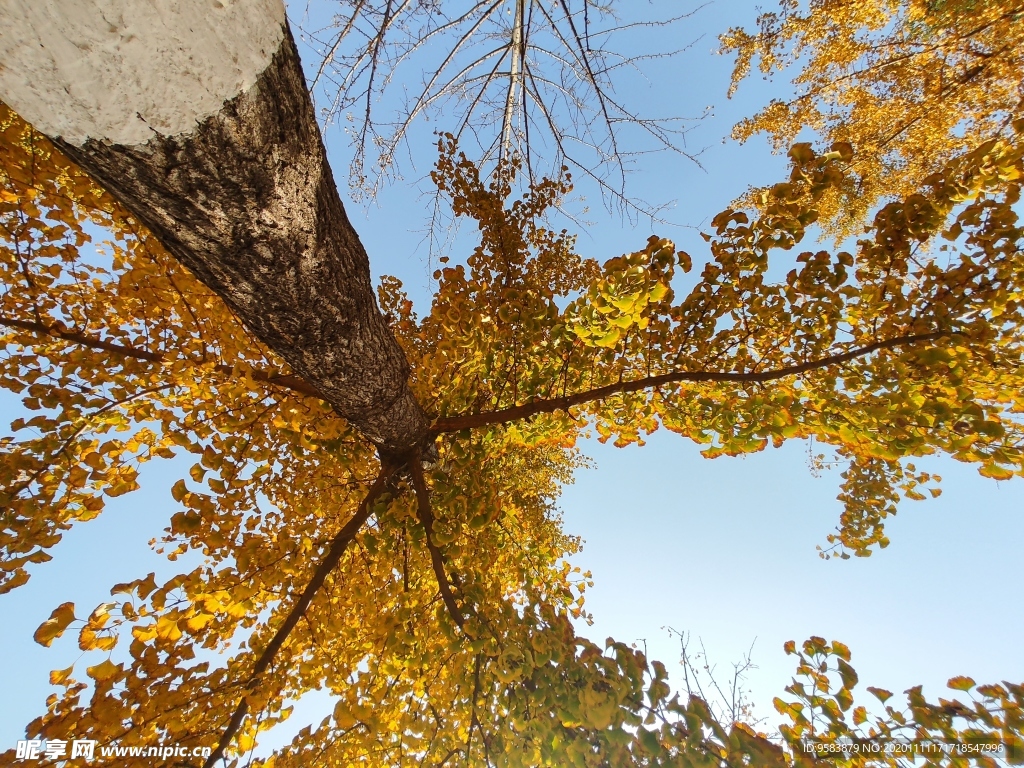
909, 84
885, 354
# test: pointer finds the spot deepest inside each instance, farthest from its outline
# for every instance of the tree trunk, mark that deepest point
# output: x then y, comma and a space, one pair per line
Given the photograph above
211, 140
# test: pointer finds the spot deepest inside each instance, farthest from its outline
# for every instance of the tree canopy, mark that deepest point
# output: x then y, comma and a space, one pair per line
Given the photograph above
429, 591
910, 83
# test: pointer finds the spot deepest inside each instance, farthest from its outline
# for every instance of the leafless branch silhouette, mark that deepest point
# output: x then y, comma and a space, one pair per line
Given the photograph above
531, 77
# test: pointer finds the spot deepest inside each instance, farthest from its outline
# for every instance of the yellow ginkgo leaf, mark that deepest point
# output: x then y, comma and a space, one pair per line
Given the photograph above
103, 671
59, 676
54, 626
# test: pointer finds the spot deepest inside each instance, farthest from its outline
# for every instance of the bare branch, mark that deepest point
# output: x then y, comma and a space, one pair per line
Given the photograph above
517, 51
329, 57
367, 45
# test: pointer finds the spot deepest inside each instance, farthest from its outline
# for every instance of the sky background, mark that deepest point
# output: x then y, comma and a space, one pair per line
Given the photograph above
722, 549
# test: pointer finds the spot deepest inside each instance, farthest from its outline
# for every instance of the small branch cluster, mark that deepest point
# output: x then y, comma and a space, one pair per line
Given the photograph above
510, 76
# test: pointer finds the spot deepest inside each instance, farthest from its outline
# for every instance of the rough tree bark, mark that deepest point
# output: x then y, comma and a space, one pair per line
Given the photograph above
232, 179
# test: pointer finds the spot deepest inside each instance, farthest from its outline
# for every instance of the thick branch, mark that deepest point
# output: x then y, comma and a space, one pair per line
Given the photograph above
330, 561
436, 558
505, 415
293, 383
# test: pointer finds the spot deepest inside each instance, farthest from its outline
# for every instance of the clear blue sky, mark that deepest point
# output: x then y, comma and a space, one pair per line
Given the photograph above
724, 548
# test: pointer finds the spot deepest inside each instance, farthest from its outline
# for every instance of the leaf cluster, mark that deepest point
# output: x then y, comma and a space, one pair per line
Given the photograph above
910, 84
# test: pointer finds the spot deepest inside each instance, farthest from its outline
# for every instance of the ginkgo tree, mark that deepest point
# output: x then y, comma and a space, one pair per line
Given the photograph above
373, 493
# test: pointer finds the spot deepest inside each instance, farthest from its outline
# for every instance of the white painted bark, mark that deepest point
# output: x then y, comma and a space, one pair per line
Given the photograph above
192, 116
123, 70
